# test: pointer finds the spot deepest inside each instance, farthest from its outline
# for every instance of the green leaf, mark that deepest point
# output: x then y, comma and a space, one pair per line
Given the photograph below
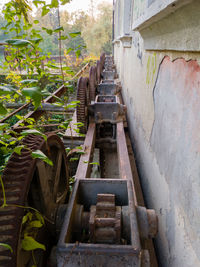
94, 163
36, 2
45, 11
36, 40
73, 159
40, 217
67, 68
70, 72
35, 132
79, 147
63, 2
29, 81
71, 105
53, 66
36, 224
29, 243
34, 93
6, 246
27, 217
75, 102
54, 3
7, 136
49, 31
36, 21
59, 29
45, 93
78, 53
3, 143
13, 142
4, 90
79, 124
69, 50
63, 37
38, 154
18, 149
3, 126
3, 110
58, 104
74, 34
19, 42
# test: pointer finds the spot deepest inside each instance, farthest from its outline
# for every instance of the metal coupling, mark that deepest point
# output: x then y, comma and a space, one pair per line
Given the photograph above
148, 222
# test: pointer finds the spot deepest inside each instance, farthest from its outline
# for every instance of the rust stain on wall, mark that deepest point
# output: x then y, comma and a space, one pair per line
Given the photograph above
175, 141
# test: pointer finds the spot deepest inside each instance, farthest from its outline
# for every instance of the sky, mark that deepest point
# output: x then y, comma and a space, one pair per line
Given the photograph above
84, 4
75, 5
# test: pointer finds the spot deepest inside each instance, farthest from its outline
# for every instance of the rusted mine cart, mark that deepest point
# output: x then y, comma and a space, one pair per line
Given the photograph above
103, 222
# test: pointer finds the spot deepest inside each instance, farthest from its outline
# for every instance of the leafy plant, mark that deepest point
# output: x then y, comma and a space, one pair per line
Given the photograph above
23, 53
32, 222
6, 246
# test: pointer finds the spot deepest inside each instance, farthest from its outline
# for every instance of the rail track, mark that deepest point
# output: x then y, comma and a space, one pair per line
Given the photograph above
104, 221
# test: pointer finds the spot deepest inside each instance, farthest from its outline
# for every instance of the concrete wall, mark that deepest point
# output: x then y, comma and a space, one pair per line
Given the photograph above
161, 88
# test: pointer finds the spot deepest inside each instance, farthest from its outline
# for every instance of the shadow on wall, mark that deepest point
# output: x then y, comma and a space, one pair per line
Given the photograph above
175, 140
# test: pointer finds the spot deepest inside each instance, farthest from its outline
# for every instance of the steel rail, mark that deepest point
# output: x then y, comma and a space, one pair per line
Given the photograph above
84, 166
15, 112
35, 113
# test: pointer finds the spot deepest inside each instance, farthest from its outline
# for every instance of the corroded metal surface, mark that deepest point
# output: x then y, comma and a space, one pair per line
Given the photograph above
83, 97
17, 178
102, 61
107, 109
116, 224
93, 82
105, 220
103, 224
98, 71
85, 192
14, 112
84, 167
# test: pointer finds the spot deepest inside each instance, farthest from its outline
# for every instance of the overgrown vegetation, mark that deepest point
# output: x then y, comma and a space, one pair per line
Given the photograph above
30, 31
96, 31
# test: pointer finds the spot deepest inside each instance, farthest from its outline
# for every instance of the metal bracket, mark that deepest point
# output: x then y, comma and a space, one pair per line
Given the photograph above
107, 109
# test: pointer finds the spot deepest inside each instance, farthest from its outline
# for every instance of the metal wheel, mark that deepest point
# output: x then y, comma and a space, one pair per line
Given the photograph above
83, 97
31, 182
92, 82
98, 72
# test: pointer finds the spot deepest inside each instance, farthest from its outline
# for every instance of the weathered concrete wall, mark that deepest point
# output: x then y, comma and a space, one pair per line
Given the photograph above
162, 92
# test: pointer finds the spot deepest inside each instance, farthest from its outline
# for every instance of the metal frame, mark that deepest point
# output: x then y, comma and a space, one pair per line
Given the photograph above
85, 190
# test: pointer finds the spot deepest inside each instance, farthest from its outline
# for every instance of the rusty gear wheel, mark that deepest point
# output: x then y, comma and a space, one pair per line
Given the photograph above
93, 82
31, 182
98, 72
83, 97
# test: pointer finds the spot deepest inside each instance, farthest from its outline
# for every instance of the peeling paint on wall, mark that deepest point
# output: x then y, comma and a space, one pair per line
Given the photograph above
151, 69
175, 141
